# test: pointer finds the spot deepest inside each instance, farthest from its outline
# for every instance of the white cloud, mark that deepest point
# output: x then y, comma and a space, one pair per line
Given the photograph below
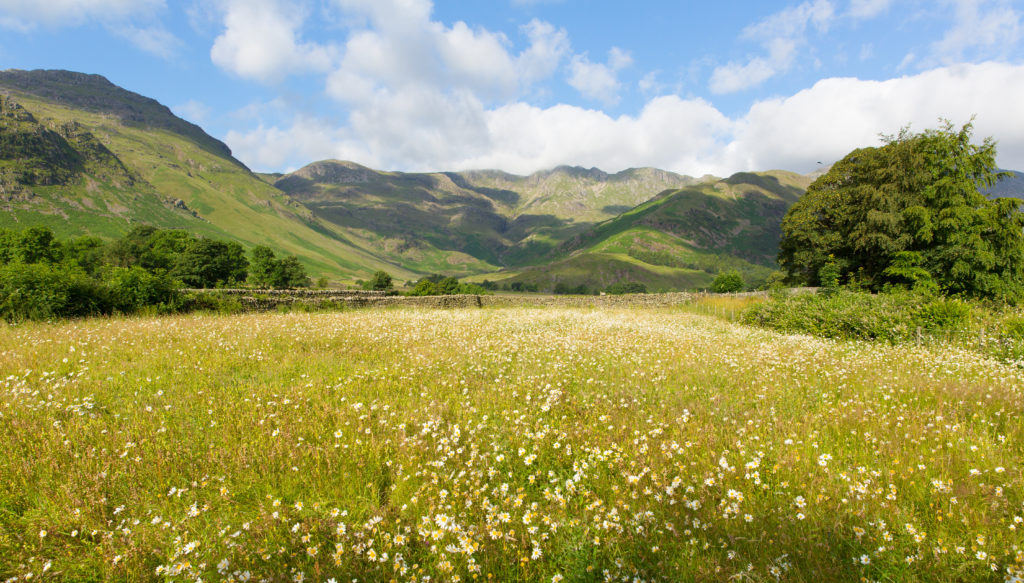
836, 115
117, 16
155, 40
428, 129
27, 14
261, 41
781, 35
981, 28
868, 9
737, 77
599, 80
398, 45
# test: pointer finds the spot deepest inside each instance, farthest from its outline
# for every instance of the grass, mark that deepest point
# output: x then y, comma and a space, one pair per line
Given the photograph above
231, 202
504, 444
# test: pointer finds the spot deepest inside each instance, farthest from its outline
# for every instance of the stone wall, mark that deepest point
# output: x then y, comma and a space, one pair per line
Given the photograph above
262, 300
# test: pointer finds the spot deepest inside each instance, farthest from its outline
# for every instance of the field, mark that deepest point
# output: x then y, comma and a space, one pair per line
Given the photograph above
505, 444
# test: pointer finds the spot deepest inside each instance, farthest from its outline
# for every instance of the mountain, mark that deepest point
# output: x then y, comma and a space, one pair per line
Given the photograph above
681, 238
468, 222
83, 156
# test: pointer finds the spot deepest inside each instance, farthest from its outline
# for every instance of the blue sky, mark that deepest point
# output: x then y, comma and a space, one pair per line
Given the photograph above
523, 85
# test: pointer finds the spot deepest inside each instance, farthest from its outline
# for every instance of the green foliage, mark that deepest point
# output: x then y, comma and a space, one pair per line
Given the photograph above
424, 287
893, 317
437, 285
38, 245
262, 267
267, 271
944, 314
626, 287
381, 281
42, 291
906, 271
562, 288
728, 282
907, 214
132, 288
207, 263
828, 277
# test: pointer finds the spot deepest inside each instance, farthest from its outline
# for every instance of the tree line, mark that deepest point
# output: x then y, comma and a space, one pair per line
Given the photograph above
42, 276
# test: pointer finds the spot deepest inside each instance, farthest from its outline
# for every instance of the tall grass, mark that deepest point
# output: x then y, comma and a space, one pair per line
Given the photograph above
505, 444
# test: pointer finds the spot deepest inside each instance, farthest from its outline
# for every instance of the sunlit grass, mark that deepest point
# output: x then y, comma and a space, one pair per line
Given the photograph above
506, 444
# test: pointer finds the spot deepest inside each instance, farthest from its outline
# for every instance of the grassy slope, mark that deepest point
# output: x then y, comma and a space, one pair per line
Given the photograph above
652, 443
230, 201
681, 238
467, 222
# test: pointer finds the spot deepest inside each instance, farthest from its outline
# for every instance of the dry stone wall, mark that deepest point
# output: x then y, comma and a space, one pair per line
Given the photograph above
262, 300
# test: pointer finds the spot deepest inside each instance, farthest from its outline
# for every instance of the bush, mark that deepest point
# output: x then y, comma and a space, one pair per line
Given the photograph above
41, 291
131, 288
626, 287
892, 317
728, 282
945, 314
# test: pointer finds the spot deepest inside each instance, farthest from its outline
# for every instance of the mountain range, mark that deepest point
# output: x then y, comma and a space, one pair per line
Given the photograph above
83, 156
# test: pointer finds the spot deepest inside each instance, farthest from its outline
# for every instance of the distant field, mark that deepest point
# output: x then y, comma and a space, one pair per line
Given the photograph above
526, 444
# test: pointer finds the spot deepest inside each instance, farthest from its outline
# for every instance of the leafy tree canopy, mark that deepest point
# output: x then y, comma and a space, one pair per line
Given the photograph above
728, 282
908, 214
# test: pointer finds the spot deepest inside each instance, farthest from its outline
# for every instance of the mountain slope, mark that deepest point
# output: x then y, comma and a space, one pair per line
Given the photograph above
467, 222
681, 238
100, 170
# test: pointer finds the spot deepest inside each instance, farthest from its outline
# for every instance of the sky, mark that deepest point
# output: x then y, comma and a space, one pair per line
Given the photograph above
524, 85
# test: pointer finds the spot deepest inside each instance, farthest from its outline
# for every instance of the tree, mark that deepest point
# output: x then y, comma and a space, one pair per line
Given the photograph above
267, 271
916, 194
207, 263
448, 286
626, 287
424, 287
262, 267
291, 274
38, 245
381, 281
728, 282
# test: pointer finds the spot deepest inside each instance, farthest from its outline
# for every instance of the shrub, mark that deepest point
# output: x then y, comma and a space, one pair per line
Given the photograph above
131, 288
626, 287
41, 291
728, 282
945, 314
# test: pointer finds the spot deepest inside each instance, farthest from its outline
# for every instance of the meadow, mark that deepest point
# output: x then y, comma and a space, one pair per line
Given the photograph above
511, 444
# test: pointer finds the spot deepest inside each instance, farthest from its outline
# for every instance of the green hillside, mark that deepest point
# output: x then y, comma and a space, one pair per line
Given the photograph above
681, 238
82, 156
468, 222
85, 157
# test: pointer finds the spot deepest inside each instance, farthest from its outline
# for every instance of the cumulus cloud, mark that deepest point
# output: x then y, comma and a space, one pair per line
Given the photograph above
985, 28
781, 35
599, 80
823, 122
398, 46
261, 41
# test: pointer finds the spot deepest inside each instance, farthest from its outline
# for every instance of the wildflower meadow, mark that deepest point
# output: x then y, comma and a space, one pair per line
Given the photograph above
511, 444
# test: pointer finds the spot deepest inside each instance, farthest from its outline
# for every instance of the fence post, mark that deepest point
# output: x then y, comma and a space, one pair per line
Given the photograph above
919, 336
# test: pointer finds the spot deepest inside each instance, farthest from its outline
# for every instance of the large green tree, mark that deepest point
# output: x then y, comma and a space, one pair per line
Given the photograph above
910, 211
